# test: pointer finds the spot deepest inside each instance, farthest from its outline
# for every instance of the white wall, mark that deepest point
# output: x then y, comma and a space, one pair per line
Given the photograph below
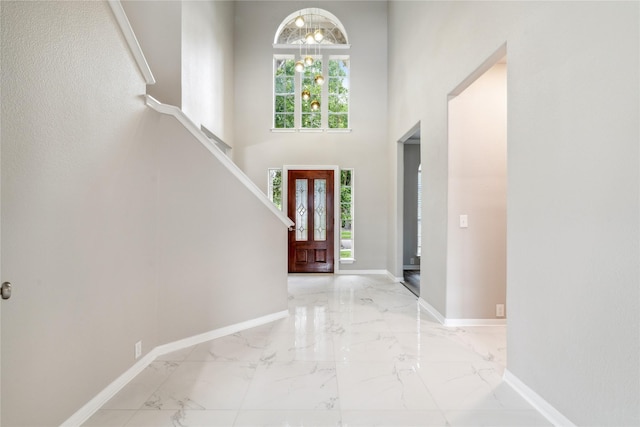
158, 28
78, 209
257, 148
222, 255
573, 187
207, 65
189, 47
117, 226
477, 258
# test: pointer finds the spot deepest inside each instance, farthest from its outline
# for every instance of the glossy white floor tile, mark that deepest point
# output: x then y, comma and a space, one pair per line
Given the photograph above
355, 351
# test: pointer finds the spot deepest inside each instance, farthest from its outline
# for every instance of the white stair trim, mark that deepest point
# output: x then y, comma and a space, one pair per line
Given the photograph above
224, 159
132, 41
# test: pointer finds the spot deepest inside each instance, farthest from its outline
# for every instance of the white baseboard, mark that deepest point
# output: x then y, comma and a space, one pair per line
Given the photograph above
394, 278
90, 408
475, 322
218, 333
549, 412
342, 271
459, 322
432, 310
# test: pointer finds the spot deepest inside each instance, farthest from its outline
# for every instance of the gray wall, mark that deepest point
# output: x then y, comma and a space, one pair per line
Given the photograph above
117, 225
573, 187
257, 148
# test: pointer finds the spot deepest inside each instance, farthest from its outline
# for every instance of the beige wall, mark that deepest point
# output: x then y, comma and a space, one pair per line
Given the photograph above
257, 148
573, 187
117, 225
476, 255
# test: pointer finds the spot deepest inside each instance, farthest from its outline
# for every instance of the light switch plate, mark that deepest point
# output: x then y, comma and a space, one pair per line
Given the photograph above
464, 221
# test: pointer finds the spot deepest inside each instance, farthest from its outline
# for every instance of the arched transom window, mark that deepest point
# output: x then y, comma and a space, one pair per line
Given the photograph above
311, 72
323, 26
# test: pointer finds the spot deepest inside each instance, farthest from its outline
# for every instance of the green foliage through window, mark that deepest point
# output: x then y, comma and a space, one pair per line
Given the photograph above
311, 119
338, 94
275, 187
285, 98
292, 111
346, 213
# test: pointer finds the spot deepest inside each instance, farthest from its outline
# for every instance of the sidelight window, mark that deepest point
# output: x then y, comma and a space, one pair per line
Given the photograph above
346, 215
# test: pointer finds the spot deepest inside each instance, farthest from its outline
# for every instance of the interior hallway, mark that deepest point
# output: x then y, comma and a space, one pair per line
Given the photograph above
355, 351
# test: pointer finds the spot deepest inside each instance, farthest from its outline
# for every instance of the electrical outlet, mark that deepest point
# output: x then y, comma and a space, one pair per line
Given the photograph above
499, 310
138, 349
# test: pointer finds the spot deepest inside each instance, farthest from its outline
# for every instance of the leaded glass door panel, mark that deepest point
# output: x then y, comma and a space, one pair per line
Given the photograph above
310, 207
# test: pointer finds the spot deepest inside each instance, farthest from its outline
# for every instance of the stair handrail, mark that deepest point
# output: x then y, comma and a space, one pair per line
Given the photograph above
223, 158
132, 40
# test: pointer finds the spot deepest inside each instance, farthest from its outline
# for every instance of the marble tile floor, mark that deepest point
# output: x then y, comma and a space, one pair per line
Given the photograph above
355, 351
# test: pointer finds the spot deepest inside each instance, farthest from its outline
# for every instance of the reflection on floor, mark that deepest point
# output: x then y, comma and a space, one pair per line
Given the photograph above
412, 281
355, 351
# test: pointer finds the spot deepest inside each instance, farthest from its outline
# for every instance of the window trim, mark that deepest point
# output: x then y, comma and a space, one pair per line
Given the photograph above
339, 58
324, 98
277, 58
312, 11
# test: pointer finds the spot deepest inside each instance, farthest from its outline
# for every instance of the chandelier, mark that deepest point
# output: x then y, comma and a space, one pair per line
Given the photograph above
313, 37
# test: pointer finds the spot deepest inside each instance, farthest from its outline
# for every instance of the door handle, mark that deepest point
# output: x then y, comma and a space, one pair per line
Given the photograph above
5, 290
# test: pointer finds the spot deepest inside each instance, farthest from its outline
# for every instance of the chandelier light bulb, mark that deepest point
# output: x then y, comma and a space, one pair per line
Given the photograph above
309, 38
299, 66
308, 61
300, 21
318, 35
315, 105
319, 79
306, 95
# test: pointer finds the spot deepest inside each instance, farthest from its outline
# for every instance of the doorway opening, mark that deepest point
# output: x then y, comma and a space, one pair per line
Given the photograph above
411, 218
477, 195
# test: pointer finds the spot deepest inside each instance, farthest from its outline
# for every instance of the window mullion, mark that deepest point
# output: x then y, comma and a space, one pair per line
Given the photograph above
324, 104
297, 109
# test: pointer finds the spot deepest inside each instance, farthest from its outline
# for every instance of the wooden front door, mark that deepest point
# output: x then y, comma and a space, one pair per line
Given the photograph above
310, 207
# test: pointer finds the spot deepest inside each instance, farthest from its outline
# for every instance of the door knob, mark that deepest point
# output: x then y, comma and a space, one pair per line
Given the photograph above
5, 290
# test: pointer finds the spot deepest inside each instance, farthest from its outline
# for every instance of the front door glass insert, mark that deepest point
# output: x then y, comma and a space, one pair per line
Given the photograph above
301, 210
320, 211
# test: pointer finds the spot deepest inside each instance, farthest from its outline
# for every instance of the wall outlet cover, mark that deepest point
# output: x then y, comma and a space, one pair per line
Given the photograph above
138, 349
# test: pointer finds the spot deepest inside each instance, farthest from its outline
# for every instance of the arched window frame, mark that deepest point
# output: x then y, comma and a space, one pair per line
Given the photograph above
309, 12
332, 56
